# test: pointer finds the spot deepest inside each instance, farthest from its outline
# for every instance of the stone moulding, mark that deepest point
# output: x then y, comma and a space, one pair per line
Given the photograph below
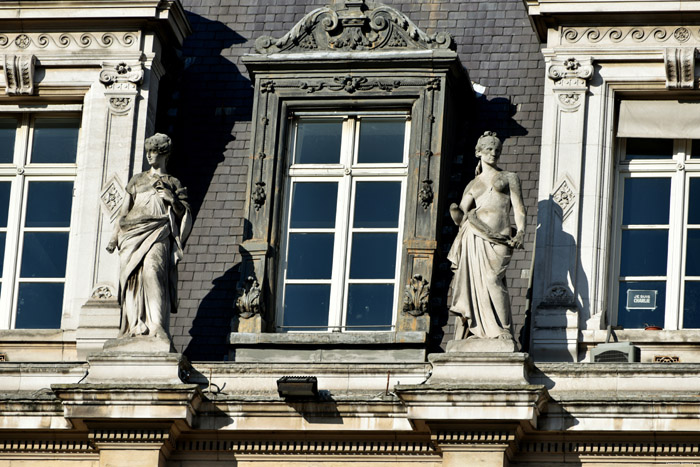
354, 25
309, 447
64, 40
636, 35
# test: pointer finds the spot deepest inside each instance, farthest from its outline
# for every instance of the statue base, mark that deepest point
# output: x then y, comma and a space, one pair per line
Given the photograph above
482, 345
459, 367
139, 344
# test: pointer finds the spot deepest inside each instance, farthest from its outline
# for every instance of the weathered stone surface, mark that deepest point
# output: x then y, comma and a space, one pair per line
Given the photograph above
136, 367
480, 367
482, 345
139, 344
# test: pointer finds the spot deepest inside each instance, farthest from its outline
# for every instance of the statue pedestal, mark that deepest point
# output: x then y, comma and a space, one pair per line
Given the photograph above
482, 345
137, 360
480, 367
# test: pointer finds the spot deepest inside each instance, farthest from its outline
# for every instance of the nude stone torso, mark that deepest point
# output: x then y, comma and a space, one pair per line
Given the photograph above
492, 201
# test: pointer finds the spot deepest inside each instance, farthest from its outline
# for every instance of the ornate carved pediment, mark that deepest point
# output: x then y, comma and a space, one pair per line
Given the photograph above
354, 26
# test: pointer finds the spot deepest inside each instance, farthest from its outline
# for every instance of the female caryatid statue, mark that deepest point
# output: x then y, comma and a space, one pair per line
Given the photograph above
482, 250
150, 233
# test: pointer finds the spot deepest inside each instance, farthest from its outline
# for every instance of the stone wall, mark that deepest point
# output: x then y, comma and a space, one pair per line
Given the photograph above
207, 108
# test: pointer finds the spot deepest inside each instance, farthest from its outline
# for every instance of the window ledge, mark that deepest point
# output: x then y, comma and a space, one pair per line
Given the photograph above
681, 336
36, 335
328, 347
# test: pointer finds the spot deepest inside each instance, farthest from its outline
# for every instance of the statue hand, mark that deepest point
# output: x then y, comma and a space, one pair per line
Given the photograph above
111, 246
166, 195
517, 240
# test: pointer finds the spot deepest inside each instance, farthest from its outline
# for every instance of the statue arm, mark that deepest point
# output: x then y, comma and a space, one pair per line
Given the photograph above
516, 199
123, 211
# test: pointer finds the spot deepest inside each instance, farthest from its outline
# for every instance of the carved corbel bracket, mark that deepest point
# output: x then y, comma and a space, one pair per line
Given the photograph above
248, 303
416, 296
570, 73
679, 63
19, 74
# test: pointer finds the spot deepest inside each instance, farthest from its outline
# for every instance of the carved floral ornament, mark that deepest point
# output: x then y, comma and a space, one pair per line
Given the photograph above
354, 25
416, 296
248, 303
349, 84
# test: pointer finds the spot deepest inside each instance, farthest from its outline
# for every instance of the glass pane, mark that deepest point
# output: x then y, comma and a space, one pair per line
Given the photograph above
695, 149
691, 306
640, 318
644, 252
373, 256
370, 305
39, 306
381, 141
49, 204
693, 202
692, 258
8, 130
44, 254
318, 142
647, 201
4, 202
649, 148
310, 256
377, 204
55, 140
3, 236
306, 305
313, 205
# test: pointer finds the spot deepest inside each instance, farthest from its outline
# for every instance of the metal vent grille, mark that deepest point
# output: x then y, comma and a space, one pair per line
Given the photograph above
612, 356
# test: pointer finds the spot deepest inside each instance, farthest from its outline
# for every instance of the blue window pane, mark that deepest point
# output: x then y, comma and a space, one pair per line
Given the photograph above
691, 306
649, 148
644, 253
377, 204
318, 142
313, 205
55, 140
44, 254
693, 202
4, 202
381, 141
39, 306
310, 256
370, 307
373, 256
49, 204
636, 318
647, 201
3, 236
306, 305
692, 258
8, 130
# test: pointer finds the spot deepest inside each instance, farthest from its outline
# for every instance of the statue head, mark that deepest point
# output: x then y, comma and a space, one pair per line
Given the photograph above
160, 143
487, 140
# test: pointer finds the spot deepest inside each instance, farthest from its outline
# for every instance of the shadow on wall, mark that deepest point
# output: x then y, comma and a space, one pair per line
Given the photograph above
210, 97
499, 115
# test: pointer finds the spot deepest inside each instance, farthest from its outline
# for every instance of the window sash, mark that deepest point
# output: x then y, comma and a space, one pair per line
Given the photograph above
347, 173
679, 169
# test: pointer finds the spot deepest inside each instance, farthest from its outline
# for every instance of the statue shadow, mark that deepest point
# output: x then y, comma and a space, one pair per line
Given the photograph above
497, 114
203, 103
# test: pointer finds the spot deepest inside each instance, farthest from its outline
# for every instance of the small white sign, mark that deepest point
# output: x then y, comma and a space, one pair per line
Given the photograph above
641, 299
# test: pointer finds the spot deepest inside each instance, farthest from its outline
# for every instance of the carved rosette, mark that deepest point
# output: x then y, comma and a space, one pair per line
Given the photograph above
416, 296
112, 197
558, 295
679, 64
565, 197
19, 74
102, 292
248, 303
354, 26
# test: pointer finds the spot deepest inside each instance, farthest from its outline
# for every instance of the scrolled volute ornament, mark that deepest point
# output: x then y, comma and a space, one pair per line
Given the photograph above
248, 303
416, 296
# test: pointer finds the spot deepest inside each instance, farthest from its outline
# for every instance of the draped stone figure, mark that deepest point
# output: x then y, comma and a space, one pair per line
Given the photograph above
482, 250
150, 232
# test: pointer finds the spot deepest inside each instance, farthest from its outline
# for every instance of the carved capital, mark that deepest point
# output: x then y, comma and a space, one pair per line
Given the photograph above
416, 296
121, 76
19, 74
679, 63
354, 26
248, 303
570, 72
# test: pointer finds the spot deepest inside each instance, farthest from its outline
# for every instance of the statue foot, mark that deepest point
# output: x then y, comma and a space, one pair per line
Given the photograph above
506, 337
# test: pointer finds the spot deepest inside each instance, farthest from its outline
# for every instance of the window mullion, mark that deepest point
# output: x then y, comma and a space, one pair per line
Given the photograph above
13, 246
676, 240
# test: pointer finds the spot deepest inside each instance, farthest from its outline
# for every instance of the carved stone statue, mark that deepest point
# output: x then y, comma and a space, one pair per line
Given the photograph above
150, 232
482, 250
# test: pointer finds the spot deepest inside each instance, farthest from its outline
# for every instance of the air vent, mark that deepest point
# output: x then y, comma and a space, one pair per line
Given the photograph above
618, 352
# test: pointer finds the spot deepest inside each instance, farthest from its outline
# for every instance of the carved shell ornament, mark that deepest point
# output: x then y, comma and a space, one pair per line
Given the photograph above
354, 26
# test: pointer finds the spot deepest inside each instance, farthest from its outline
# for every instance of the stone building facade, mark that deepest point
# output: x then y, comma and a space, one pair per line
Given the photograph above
280, 359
